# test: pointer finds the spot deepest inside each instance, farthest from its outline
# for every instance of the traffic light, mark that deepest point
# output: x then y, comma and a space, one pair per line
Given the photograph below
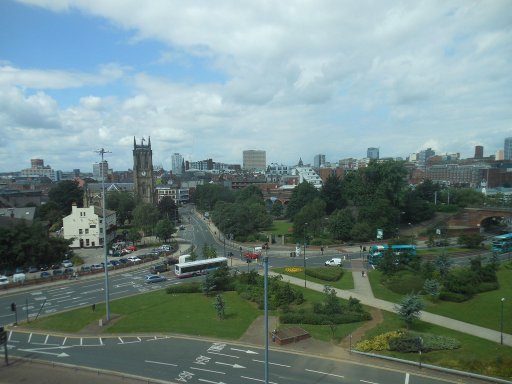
13, 307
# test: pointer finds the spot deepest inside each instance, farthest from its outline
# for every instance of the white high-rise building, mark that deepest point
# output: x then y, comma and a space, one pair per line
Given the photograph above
100, 169
177, 164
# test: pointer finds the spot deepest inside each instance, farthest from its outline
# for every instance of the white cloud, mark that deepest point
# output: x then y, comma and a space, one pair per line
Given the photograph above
301, 78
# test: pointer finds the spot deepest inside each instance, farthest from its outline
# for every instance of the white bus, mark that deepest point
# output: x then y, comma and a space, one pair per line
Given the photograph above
199, 267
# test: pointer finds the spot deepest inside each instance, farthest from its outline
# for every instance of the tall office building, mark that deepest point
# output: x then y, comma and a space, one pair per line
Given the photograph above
254, 160
372, 153
177, 164
318, 161
100, 169
507, 150
479, 152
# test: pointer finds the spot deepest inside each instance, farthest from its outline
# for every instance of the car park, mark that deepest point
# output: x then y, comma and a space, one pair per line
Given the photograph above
32, 269
57, 272
44, 275
131, 248
124, 261
115, 263
134, 259
68, 271
4, 280
154, 279
85, 268
67, 264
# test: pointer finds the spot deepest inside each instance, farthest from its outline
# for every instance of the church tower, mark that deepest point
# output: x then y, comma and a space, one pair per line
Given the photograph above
144, 184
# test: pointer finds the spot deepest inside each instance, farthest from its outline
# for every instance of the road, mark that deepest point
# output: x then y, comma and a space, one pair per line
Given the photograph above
185, 360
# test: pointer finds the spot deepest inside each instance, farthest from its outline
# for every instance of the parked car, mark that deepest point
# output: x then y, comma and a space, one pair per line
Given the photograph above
182, 227
158, 268
124, 261
96, 267
171, 260
57, 272
131, 248
334, 262
134, 259
115, 263
154, 279
33, 269
44, 275
67, 264
124, 252
85, 268
4, 280
68, 271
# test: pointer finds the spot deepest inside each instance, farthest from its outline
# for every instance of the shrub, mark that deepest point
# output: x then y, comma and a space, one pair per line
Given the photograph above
404, 343
452, 296
325, 273
321, 319
488, 286
378, 343
194, 287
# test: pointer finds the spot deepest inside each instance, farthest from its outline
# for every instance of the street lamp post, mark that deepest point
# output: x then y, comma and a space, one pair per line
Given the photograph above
105, 248
501, 326
305, 226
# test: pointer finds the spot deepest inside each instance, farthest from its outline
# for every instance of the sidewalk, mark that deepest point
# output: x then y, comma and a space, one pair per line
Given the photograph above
363, 292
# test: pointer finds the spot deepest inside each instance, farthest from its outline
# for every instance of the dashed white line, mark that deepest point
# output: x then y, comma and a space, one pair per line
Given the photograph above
280, 365
325, 373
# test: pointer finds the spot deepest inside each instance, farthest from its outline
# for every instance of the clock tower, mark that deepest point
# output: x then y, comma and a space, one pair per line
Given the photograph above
144, 184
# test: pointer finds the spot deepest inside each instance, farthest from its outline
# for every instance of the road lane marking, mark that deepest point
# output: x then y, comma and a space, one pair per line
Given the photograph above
280, 365
223, 354
252, 378
248, 351
325, 373
407, 378
160, 362
208, 370
231, 365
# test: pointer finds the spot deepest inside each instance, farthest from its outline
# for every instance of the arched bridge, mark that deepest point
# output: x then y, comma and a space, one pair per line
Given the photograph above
473, 219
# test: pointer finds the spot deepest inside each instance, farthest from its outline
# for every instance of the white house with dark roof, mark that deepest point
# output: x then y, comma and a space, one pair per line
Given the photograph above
85, 226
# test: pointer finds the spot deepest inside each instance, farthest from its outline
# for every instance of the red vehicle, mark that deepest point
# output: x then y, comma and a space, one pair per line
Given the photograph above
131, 248
252, 255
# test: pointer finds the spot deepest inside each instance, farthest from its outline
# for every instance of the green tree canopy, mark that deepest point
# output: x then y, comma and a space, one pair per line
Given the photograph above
168, 208
302, 194
64, 194
410, 308
145, 217
164, 229
123, 203
331, 193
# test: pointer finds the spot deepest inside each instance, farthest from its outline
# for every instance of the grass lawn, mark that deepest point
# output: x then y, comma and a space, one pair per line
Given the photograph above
346, 281
471, 311
192, 314
280, 227
476, 355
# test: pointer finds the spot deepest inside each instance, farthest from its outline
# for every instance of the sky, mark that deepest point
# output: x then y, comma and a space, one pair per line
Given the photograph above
212, 79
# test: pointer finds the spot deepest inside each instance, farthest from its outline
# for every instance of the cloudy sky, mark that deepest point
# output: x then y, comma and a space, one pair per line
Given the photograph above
211, 79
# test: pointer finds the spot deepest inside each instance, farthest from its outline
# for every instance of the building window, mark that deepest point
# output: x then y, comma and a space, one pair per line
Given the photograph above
86, 242
86, 231
80, 231
92, 226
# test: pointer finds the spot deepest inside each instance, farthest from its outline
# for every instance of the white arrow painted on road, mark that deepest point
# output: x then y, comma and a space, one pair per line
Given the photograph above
212, 382
248, 351
37, 350
231, 365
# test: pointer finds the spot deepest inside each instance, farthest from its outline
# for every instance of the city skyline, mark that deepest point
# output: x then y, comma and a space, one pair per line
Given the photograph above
293, 79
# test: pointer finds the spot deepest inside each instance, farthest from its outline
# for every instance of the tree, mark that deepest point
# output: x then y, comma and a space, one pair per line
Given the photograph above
473, 240
302, 194
433, 288
64, 194
123, 203
168, 209
206, 196
164, 229
134, 235
208, 284
361, 232
209, 252
340, 224
410, 308
220, 306
443, 264
331, 194
145, 216
332, 305
310, 219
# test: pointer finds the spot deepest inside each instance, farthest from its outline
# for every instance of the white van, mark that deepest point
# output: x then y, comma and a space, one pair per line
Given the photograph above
18, 278
334, 262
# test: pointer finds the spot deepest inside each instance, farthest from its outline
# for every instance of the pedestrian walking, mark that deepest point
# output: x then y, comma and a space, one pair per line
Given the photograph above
94, 307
